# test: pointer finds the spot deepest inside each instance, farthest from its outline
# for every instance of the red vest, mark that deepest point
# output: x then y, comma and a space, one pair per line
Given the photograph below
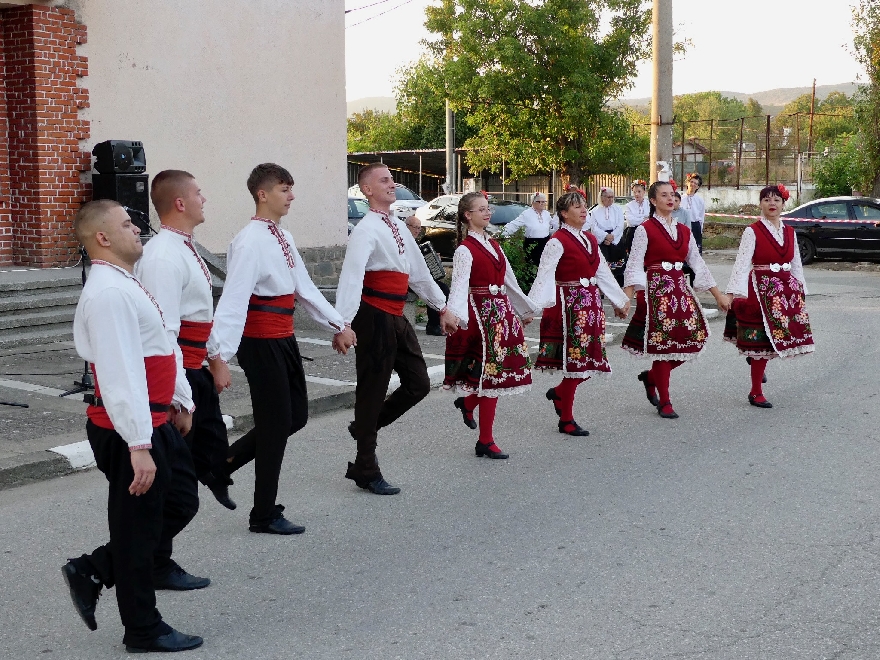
270, 317
485, 269
385, 290
661, 247
576, 262
767, 250
161, 373
193, 342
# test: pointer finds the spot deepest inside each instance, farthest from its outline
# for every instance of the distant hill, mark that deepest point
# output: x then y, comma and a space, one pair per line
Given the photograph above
772, 100
381, 103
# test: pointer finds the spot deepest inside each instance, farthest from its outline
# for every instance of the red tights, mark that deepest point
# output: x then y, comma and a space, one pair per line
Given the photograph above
565, 391
660, 371
486, 419
758, 366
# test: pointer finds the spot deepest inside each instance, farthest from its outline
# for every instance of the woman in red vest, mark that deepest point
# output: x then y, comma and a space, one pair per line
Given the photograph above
489, 357
768, 317
569, 285
668, 324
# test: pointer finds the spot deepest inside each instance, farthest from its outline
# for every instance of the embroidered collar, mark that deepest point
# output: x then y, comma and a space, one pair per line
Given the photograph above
186, 236
101, 262
275, 230
394, 230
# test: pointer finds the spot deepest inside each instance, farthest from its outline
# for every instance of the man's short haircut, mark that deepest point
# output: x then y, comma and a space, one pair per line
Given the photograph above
266, 176
167, 186
89, 216
364, 172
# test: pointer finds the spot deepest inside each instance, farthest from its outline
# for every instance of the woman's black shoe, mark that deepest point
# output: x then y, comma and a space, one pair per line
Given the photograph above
467, 416
759, 404
489, 451
571, 427
650, 389
554, 397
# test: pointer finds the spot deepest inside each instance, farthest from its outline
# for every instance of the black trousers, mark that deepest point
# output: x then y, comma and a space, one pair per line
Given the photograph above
207, 440
433, 314
142, 528
385, 343
697, 231
280, 402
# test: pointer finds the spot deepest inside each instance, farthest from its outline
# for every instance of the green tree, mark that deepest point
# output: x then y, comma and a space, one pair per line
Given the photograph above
371, 130
842, 169
866, 26
693, 113
536, 80
832, 116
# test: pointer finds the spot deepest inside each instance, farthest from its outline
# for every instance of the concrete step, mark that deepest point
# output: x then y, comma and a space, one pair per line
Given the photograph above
42, 298
29, 281
35, 336
48, 316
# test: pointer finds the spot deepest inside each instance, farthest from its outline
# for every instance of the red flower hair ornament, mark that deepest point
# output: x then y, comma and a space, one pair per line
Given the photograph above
673, 184
783, 192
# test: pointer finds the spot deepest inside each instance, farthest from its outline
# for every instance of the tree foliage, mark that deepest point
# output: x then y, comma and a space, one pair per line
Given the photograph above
372, 130
535, 80
842, 169
866, 26
833, 117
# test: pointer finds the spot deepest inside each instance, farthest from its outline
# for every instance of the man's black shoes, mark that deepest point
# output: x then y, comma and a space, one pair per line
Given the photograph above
169, 643
279, 525
375, 484
219, 487
177, 579
85, 589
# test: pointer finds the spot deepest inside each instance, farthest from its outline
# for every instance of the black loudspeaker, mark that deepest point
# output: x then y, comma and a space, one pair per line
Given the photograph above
120, 157
130, 190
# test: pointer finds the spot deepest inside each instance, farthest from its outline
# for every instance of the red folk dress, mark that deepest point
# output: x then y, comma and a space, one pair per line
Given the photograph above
772, 321
490, 357
668, 323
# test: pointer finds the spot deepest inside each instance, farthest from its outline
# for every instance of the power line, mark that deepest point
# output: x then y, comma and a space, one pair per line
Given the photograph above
348, 11
405, 2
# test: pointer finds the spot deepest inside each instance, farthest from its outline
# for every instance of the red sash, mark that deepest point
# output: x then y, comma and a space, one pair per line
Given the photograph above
270, 317
385, 290
193, 341
161, 372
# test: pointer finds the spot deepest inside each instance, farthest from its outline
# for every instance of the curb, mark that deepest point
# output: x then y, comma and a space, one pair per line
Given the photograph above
59, 461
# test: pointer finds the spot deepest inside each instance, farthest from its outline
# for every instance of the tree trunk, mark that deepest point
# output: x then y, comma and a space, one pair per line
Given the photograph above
572, 175
876, 191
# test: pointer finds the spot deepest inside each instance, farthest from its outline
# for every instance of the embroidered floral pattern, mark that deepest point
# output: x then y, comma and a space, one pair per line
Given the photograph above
785, 317
675, 321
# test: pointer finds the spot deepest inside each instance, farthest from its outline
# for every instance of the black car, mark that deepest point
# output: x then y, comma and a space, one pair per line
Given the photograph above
440, 229
838, 227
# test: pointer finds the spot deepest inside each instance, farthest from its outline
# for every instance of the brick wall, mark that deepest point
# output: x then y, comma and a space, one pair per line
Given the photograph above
40, 133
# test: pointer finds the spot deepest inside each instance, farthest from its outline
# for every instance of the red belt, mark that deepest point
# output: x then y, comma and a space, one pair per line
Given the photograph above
270, 317
193, 342
385, 290
161, 373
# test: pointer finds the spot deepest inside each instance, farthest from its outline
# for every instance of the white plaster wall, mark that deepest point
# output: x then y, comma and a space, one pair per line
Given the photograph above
218, 86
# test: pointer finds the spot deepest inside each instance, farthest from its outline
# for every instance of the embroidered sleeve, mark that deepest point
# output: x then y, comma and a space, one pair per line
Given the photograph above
797, 268
608, 285
742, 267
459, 292
311, 299
543, 291
703, 280
635, 275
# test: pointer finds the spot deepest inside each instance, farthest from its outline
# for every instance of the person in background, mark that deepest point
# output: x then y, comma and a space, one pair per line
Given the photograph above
432, 327
695, 204
539, 225
606, 223
681, 215
635, 212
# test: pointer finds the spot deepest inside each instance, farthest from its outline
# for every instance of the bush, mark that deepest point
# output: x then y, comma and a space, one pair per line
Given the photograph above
524, 270
841, 170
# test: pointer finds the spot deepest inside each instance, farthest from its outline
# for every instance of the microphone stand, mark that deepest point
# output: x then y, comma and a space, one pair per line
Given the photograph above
85, 383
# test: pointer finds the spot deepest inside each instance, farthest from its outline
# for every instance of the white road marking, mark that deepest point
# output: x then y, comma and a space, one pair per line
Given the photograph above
78, 453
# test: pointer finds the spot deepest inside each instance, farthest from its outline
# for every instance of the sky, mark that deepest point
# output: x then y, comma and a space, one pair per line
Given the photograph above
747, 46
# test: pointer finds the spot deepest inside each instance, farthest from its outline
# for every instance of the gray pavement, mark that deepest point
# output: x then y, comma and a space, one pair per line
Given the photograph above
731, 533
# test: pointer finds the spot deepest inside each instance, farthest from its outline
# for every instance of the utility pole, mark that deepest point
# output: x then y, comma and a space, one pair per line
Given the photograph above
812, 109
450, 150
661, 102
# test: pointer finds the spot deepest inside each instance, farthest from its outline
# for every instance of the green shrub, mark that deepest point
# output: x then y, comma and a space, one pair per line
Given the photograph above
524, 270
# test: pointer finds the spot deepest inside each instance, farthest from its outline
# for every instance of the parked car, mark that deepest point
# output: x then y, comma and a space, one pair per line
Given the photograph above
440, 228
431, 209
838, 227
357, 209
407, 201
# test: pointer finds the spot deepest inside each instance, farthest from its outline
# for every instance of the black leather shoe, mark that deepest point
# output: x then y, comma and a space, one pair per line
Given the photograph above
489, 451
571, 427
279, 525
219, 488
85, 589
554, 397
666, 412
178, 579
650, 390
379, 487
173, 641
467, 416
434, 330
763, 377
759, 404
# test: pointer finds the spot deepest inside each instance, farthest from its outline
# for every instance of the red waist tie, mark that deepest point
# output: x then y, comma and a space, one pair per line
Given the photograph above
385, 290
161, 372
193, 342
270, 317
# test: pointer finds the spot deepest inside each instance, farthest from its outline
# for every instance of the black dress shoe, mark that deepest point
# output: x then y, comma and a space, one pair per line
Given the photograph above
759, 404
650, 390
178, 579
571, 427
434, 330
279, 525
554, 397
489, 451
666, 412
173, 641
85, 589
379, 487
467, 416
219, 487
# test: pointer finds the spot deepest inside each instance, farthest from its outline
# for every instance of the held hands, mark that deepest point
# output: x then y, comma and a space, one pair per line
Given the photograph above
448, 322
181, 420
723, 300
220, 371
144, 471
344, 340
622, 312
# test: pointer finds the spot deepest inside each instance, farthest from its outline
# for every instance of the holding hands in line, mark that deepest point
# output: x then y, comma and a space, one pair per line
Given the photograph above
344, 340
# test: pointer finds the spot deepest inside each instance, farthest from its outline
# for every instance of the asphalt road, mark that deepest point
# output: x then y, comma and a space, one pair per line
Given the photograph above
732, 532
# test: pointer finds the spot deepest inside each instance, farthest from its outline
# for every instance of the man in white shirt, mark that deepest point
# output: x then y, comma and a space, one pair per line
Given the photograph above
695, 204
539, 225
179, 279
606, 223
383, 261
265, 278
153, 494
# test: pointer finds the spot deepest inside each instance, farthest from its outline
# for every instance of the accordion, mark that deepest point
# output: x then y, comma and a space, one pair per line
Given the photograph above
432, 259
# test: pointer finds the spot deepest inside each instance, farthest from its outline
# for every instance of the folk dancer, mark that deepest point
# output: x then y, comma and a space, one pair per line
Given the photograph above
254, 320
606, 223
489, 357
668, 324
768, 317
572, 273
153, 493
172, 270
382, 261
636, 211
